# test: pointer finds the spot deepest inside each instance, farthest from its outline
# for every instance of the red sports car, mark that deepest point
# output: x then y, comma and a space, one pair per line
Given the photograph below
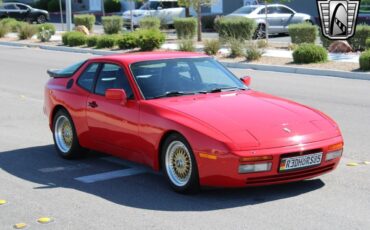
186, 114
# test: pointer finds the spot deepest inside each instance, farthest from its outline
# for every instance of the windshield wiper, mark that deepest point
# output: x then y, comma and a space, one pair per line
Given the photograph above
173, 94
226, 89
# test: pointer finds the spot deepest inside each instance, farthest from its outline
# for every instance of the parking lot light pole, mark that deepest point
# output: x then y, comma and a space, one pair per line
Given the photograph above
69, 15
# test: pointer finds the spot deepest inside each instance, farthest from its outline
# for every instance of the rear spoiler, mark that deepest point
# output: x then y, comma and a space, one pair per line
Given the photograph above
55, 73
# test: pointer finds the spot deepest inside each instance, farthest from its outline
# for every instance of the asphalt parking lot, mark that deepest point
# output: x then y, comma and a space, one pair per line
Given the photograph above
36, 183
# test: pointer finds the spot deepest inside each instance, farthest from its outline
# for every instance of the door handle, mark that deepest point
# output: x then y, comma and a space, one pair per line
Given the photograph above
92, 104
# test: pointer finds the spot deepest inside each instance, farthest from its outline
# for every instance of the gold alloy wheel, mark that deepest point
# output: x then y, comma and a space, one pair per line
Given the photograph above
63, 133
178, 163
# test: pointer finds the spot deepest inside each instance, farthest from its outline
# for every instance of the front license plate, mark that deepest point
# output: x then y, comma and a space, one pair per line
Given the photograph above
300, 162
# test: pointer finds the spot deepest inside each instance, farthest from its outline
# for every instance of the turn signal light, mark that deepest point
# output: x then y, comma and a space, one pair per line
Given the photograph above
334, 147
255, 158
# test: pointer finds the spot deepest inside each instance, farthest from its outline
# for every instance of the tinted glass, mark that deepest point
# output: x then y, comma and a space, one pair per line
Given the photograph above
270, 10
113, 77
190, 75
245, 10
22, 7
10, 7
284, 10
86, 79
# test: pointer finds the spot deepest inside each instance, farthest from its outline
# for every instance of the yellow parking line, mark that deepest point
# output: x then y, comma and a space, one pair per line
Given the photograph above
352, 164
2, 202
44, 220
20, 225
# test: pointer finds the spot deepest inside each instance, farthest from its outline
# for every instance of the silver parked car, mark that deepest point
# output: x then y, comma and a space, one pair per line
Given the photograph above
279, 17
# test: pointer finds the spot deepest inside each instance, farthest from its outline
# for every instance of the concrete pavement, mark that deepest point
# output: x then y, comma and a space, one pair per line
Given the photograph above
37, 183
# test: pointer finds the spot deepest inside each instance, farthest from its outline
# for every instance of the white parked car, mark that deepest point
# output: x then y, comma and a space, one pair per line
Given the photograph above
165, 10
279, 17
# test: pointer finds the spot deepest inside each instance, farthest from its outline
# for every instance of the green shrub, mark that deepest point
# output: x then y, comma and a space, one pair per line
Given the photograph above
368, 43
44, 35
128, 41
239, 28
211, 47
310, 53
65, 38
74, 38
87, 20
262, 43
91, 41
149, 40
186, 28
47, 26
12, 23
112, 24
358, 41
365, 60
53, 6
150, 23
106, 41
326, 42
112, 6
252, 53
4, 29
236, 47
303, 33
187, 45
26, 31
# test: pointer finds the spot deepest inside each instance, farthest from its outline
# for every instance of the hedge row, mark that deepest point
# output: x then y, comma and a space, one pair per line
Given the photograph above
87, 20
239, 28
303, 33
186, 28
146, 40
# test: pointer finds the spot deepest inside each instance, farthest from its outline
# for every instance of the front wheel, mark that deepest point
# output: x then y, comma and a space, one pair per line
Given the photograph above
179, 165
41, 19
65, 137
260, 32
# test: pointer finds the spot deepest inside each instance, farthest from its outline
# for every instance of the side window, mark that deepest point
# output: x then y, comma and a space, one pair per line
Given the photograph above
270, 10
113, 77
86, 79
10, 7
284, 10
22, 7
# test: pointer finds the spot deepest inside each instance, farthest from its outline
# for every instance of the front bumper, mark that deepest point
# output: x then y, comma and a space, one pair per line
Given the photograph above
223, 171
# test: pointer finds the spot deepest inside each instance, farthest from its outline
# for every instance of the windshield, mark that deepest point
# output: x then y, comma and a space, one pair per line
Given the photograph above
245, 10
176, 77
150, 6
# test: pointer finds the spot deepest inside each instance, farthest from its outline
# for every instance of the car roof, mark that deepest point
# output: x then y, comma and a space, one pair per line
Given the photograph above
130, 58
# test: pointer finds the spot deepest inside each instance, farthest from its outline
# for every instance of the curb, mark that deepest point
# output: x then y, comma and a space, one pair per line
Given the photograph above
261, 67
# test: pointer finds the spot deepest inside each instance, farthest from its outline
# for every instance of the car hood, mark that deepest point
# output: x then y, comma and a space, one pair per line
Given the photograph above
255, 120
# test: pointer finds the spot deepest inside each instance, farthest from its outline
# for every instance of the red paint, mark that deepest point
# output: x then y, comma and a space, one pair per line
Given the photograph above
227, 125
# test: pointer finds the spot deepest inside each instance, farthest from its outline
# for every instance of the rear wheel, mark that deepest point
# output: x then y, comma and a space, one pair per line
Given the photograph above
260, 32
179, 165
65, 137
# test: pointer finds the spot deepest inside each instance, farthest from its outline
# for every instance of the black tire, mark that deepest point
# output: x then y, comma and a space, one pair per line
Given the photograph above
75, 150
260, 32
41, 19
192, 185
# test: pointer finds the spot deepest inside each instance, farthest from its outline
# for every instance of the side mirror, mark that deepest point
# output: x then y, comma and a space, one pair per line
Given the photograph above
116, 95
159, 8
246, 80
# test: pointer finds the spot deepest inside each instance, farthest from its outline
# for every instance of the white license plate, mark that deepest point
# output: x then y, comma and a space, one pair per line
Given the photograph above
300, 161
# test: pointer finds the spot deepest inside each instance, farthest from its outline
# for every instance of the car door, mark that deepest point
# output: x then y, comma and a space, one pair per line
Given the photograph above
272, 18
22, 11
286, 17
113, 126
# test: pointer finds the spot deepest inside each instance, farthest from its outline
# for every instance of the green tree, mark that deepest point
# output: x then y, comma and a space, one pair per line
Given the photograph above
197, 5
